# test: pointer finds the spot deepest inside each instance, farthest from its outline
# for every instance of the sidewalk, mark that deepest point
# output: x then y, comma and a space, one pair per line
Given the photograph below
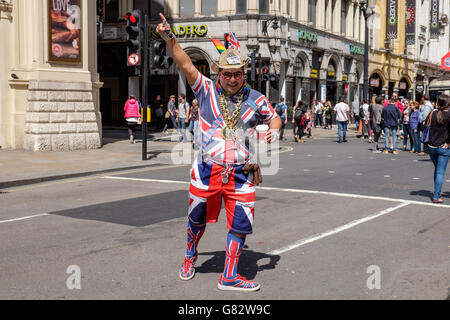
19, 167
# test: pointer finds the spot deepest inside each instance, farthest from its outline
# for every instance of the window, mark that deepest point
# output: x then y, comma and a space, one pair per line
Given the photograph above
241, 6
209, 7
312, 12
263, 6
343, 16
111, 10
187, 8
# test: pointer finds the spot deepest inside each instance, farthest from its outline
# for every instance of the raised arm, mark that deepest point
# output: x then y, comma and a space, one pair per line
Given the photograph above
179, 56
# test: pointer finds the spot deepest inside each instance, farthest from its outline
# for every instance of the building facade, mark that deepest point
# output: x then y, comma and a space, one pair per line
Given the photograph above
405, 55
48, 75
315, 47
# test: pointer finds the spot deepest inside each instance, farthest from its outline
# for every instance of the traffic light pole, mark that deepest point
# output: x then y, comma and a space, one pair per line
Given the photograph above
144, 90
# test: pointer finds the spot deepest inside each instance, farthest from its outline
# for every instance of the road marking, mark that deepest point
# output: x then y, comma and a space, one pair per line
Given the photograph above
415, 178
24, 218
358, 174
347, 226
337, 194
331, 172
387, 176
306, 170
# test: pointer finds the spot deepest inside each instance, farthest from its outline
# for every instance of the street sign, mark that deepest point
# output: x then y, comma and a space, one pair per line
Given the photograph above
133, 59
445, 62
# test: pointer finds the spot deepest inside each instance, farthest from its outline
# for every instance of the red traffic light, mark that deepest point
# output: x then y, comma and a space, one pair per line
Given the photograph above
131, 17
265, 70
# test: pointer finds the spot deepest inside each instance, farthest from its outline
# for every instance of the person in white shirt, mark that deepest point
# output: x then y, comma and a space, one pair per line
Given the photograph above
318, 107
341, 110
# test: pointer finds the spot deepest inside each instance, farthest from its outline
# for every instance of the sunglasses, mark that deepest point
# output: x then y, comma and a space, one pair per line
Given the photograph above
228, 75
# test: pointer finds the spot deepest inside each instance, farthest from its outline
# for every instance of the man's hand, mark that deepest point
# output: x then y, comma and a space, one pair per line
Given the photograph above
164, 29
271, 135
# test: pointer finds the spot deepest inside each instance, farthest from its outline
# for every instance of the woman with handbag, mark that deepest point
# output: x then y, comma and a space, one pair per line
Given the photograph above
438, 143
132, 116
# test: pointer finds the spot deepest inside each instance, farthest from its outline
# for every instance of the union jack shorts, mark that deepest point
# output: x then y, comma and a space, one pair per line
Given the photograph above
207, 189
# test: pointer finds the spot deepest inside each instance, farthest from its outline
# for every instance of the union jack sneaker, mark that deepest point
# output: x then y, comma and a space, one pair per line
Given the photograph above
238, 283
187, 270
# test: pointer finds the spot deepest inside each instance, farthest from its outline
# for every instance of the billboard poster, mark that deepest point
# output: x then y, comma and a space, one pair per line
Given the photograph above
392, 19
434, 20
410, 22
64, 30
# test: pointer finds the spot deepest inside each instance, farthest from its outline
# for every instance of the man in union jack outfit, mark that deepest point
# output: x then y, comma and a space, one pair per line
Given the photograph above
229, 111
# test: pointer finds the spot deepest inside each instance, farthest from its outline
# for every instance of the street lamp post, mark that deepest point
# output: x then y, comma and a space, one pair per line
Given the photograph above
367, 10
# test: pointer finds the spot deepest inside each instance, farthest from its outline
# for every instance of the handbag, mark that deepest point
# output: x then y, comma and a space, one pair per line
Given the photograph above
425, 137
167, 115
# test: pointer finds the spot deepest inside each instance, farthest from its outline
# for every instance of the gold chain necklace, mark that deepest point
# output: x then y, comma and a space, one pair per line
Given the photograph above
230, 122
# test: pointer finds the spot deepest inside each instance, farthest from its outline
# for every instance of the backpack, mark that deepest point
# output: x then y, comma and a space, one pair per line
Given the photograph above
298, 114
279, 109
303, 121
361, 112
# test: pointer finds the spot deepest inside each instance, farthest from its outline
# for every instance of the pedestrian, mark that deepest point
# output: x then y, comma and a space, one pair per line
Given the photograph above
414, 121
159, 113
222, 170
406, 127
299, 120
390, 116
317, 106
171, 115
425, 108
182, 116
377, 110
328, 115
132, 116
341, 110
355, 112
365, 118
281, 110
439, 143
193, 124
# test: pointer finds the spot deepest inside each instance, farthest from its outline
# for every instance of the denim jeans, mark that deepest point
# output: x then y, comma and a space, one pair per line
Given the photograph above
440, 157
387, 133
417, 145
342, 130
193, 128
182, 128
406, 131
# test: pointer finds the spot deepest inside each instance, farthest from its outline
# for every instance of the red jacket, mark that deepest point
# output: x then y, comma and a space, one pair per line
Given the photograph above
398, 104
131, 109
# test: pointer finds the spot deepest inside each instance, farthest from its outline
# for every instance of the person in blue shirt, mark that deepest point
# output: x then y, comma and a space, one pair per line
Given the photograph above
281, 110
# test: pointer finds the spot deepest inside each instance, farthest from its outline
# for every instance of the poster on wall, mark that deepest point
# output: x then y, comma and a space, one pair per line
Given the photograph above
64, 30
410, 22
434, 20
392, 19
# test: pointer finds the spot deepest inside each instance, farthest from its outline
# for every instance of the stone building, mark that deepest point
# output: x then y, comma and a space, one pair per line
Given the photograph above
49, 101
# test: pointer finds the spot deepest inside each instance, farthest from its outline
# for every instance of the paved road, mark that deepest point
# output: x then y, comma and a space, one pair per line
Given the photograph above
336, 222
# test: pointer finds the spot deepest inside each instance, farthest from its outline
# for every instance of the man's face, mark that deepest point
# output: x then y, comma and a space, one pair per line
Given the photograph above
180, 98
231, 79
395, 97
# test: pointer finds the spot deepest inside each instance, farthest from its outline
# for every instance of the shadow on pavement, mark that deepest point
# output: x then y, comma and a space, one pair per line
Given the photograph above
428, 194
248, 263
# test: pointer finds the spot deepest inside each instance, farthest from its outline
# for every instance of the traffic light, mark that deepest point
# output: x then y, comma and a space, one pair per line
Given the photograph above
134, 38
160, 58
273, 78
265, 73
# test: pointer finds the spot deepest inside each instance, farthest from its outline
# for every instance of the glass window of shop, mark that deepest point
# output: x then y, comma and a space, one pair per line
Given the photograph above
111, 10
209, 7
241, 6
263, 6
187, 8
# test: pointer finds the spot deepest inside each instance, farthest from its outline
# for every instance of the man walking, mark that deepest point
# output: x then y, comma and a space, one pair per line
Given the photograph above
377, 110
182, 116
355, 112
425, 109
318, 107
172, 114
223, 170
281, 110
341, 110
390, 115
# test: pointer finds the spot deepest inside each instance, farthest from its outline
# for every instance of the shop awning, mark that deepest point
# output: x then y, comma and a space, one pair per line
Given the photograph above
437, 84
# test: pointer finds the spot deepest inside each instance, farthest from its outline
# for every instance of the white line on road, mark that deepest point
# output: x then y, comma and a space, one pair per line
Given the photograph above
24, 218
345, 195
347, 226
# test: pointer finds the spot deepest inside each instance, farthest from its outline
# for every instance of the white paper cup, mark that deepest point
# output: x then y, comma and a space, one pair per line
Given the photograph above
261, 131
